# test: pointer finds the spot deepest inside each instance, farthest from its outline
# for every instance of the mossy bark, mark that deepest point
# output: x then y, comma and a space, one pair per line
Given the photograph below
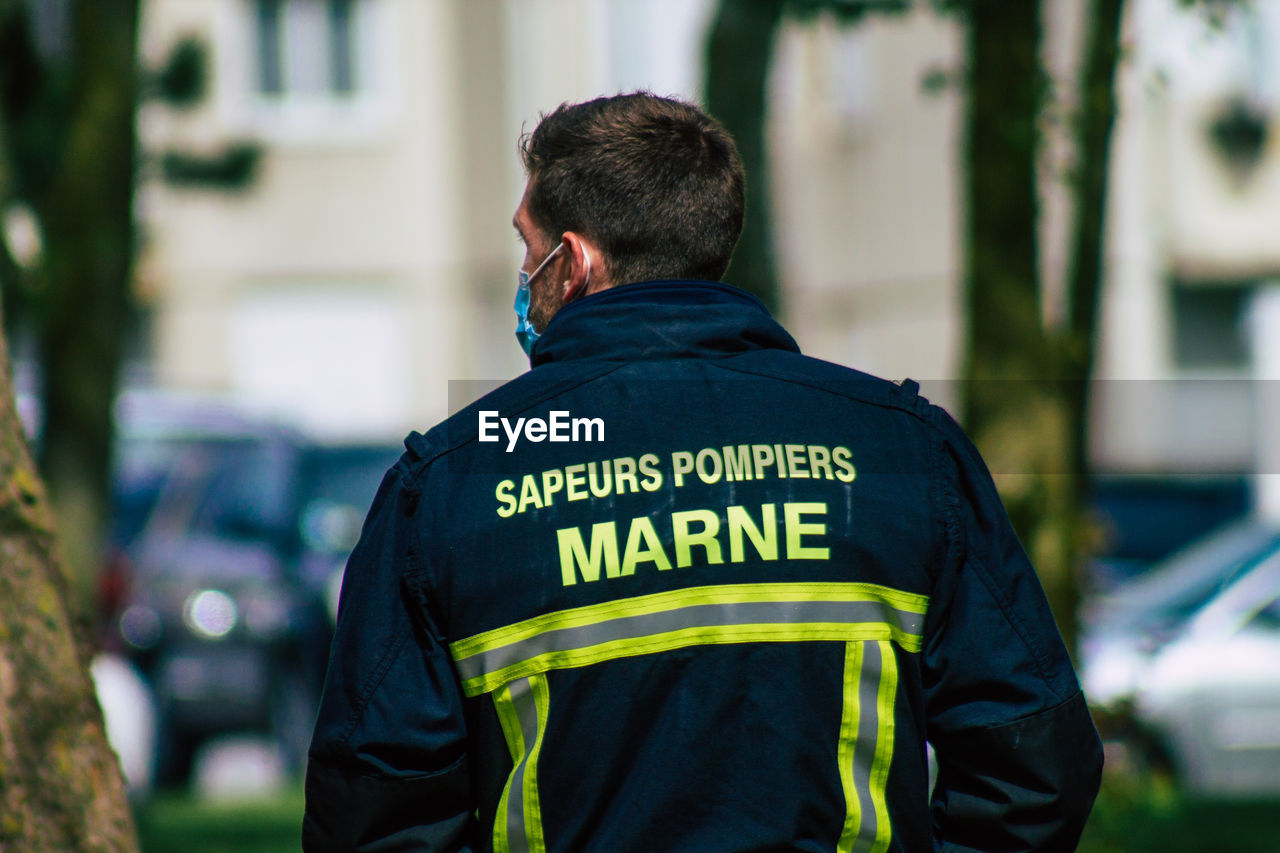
60, 782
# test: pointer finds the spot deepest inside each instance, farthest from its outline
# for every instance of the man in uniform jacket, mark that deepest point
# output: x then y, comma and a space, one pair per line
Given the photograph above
680, 587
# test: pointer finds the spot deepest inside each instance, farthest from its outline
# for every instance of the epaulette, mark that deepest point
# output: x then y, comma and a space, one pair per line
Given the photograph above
421, 448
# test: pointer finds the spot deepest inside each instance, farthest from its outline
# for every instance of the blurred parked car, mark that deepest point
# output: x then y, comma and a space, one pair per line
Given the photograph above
1212, 696
1122, 630
1145, 519
1183, 664
229, 533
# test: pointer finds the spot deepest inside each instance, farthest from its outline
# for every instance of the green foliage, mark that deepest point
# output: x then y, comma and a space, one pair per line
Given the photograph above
938, 81
1216, 11
854, 11
1239, 133
181, 83
233, 168
739, 53
35, 102
846, 11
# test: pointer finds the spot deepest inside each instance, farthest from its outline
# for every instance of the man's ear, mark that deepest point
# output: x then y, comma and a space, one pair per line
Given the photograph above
584, 267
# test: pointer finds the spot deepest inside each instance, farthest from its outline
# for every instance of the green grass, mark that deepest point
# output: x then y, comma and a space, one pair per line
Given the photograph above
179, 823
1132, 815
1148, 815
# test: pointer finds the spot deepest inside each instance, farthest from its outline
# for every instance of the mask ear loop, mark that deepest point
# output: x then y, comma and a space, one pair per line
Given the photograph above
546, 260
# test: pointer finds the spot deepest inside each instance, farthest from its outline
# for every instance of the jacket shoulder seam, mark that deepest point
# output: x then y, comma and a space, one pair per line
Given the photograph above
1013, 618
373, 681
909, 407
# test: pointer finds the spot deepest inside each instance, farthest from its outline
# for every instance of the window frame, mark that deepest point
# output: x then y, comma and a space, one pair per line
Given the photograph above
330, 118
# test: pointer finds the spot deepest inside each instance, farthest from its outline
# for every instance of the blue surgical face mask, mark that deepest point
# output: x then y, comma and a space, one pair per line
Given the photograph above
525, 333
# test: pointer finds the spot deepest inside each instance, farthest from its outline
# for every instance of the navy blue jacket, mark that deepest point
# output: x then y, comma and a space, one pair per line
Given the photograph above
727, 617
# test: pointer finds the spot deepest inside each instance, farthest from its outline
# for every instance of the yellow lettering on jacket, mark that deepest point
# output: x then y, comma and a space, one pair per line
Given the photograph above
693, 533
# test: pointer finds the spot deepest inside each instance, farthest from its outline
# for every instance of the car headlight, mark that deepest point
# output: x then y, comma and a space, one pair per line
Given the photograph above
141, 627
210, 613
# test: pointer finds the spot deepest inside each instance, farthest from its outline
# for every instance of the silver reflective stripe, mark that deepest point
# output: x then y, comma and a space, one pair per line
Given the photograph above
864, 750
699, 615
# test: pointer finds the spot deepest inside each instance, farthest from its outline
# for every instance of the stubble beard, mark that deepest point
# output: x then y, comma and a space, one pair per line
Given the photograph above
543, 300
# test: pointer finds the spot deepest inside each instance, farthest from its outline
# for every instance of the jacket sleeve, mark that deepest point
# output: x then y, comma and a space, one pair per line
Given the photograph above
388, 767
1019, 760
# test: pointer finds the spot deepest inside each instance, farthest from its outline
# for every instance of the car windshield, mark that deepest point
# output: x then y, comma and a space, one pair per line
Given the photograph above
1173, 590
345, 474
167, 448
336, 486
1267, 619
234, 488
141, 468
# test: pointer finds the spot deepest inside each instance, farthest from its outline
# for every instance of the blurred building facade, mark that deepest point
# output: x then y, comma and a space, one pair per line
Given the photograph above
372, 260
1195, 202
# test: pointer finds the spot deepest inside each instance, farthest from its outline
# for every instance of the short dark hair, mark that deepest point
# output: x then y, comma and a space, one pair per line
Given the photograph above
655, 182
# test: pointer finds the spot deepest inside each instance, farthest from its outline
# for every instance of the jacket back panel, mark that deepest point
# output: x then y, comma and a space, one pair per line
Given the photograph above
721, 600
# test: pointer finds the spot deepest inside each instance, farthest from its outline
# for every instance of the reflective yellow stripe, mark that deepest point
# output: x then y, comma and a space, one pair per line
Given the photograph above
731, 613
847, 745
510, 724
884, 745
615, 649
514, 736
662, 601
870, 620
500, 844
522, 710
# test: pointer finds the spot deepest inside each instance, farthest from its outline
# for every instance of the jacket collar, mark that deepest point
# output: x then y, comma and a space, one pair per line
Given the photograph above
660, 319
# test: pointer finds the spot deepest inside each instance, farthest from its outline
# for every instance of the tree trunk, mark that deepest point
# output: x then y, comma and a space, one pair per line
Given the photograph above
739, 56
60, 782
1012, 407
1002, 293
87, 214
1093, 148
1026, 399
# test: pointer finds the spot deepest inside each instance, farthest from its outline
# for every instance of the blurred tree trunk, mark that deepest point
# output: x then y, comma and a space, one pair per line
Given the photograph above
1025, 394
739, 56
71, 114
60, 782
1093, 144
88, 220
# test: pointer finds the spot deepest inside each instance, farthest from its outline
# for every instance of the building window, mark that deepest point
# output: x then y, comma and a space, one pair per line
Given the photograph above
306, 48
311, 72
270, 34
341, 64
1209, 330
